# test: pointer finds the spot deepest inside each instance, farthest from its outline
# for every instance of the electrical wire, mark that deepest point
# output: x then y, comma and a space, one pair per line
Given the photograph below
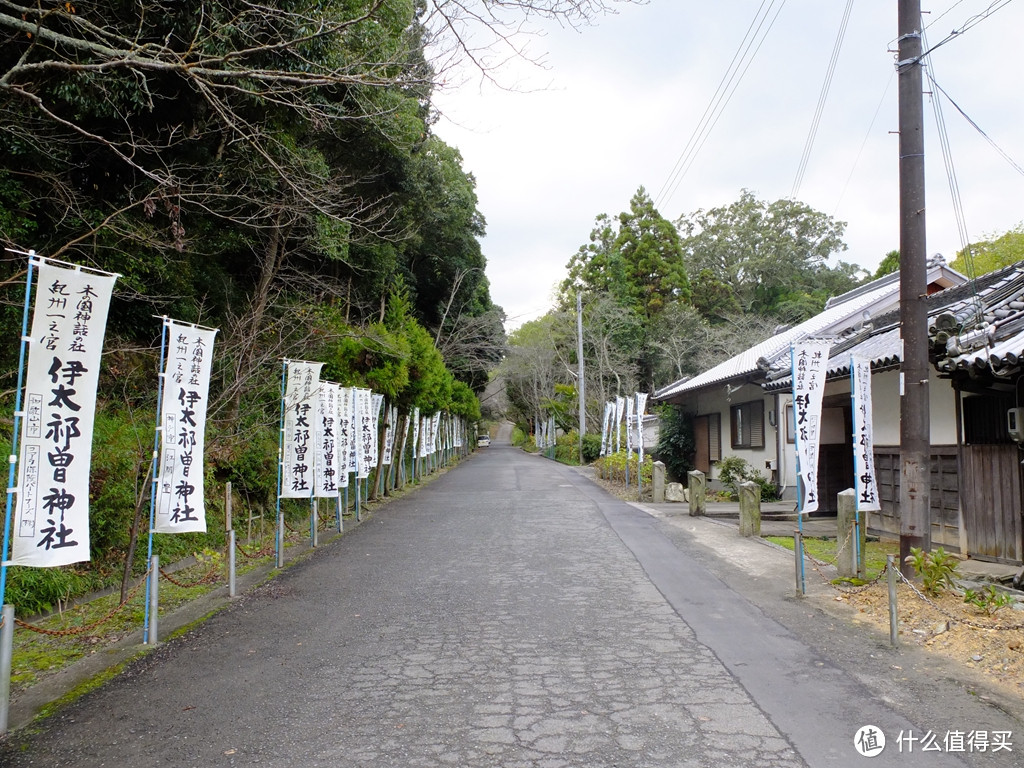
954, 185
822, 97
867, 135
973, 21
741, 60
1002, 153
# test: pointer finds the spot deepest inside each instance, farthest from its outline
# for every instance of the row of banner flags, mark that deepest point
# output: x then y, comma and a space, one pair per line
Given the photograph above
329, 432
544, 432
809, 368
630, 410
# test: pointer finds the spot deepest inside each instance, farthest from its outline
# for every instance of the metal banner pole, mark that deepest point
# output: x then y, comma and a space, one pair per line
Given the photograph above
231, 563
6, 659
13, 458
152, 603
279, 533
157, 434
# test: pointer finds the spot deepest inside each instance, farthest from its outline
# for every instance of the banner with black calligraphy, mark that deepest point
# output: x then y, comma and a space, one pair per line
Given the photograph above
328, 458
416, 429
863, 435
641, 407
180, 498
364, 433
620, 414
389, 433
51, 523
298, 479
809, 365
346, 439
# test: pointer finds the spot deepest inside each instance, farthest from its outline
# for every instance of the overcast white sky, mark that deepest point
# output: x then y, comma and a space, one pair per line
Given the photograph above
619, 102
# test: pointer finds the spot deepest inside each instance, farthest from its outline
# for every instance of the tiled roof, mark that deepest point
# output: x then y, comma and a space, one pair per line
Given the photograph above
843, 315
979, 324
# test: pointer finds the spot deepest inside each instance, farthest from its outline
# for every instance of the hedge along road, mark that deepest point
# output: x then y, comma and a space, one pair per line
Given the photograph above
508, 614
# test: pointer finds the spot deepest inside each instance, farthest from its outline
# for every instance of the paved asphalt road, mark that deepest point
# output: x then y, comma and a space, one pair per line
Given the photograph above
510, 615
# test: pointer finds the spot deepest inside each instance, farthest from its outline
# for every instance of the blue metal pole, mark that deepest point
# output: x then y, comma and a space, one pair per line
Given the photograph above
162, 381
799, 482
279, 532
13, 458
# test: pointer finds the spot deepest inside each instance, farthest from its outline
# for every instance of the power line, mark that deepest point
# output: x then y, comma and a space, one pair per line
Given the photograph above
1002, 153
867, 135
819, 110
734, 74
973, 21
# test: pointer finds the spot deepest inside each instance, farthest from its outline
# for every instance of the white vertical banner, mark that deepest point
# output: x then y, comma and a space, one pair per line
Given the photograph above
863, 435
620, 408
435, 433
641, 407
343, 436
460, 427
630, 403
809, 363
423, 437
180, 500
69, 319
328, 458
376, 408
604, 429
416, 426
300, 412
364, 433
389, 434
611, 427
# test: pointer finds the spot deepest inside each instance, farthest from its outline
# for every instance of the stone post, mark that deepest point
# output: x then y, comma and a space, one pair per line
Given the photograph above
658, 483
750, 509
845, 547
847, 508
698, 493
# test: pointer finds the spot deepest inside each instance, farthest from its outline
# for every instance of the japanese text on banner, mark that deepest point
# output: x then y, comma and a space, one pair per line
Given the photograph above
51, 523
809, 363
181, 506
863, 435
300, 411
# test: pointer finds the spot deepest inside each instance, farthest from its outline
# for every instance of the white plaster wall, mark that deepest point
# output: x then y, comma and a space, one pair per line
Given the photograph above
885, 403
716, 399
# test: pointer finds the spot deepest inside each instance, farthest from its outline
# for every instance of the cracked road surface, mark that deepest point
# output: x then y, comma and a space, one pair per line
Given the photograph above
508, 615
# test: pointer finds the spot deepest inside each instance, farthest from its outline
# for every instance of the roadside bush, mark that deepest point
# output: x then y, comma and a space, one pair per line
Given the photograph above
733, 471
937, 569
520, 437
613, 467
567, 448
675, 441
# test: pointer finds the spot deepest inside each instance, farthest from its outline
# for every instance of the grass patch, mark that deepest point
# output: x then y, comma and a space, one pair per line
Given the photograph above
824, 549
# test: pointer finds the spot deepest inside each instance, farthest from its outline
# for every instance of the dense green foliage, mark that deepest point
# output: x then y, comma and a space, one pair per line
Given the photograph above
989, 255
268, 170
662, 302
675, 441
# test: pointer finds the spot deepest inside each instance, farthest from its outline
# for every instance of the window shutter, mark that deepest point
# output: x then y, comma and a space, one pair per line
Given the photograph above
755, 424
715, 437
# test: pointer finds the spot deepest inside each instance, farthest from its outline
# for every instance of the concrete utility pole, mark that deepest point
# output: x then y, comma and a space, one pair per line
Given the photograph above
915, 437
579, 355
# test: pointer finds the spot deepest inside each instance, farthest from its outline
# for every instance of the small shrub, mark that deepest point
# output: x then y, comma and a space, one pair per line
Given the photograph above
522, 439
733, 471
988, 600
591, 448
937, 569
